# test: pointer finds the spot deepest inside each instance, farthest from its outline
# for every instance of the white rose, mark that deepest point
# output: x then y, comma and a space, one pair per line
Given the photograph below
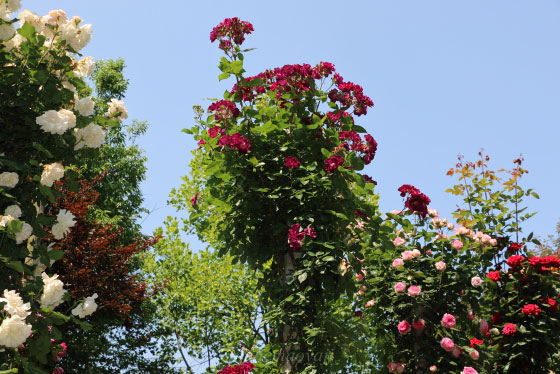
53, 291
8, 179
56, 122
14, 42
55, 18
13, 210
65, 220
25, 233
85, 106
91, 136
75, 36
85, 67
117, 107
34, 20
52, 173
14, 304
14, 332
86, 308
7, 32
13, 5
5, 220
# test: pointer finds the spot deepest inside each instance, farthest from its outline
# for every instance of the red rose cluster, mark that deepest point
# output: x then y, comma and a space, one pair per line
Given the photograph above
236, 141
332, 163
368, 148
515, 261
244, 368
223, 110
348, 94
544, 263
531, 310
416, 201
230, 29
296, 235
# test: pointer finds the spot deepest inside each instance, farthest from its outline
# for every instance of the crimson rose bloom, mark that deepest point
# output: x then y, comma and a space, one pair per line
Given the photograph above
332, 163
514, 247
494, 275
552, 304
515, 261
531, 310
509, 329
496, 318
223, 110
291, 162
232, 28
244, 368
476, 341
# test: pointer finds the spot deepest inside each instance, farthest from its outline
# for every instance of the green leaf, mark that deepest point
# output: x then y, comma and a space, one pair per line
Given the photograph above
27, 31
55, 254
302, 277
15, 265
236, 66
14, 226
223, 76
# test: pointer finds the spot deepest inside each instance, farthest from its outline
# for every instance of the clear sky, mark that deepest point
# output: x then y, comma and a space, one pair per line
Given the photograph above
447, 78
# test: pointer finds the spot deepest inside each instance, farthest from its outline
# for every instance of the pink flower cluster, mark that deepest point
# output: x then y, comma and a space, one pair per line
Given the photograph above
223, 110
368, 149
332, 163
244, 368
296, 235
231, 29
236, 141
348, 94
395, 367
416, 201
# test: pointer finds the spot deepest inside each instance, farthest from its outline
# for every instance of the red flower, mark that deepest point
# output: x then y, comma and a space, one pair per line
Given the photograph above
552, 304
514, 247
417, 201
509, 329
231, 28
244, 368
332, 163
194, 199
291, 162
496, 318
544, 263
296, 235
212, 132
236, 141
515, 261
494, 275
476, 341
407, 188
223, 110
531, 310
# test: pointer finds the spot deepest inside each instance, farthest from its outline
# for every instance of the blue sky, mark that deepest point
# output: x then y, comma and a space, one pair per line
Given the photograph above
447, 78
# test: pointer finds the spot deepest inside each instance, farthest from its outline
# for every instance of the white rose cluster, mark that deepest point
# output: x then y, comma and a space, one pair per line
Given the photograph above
14, 304
91, 136
56, 122
24, 233
76, 36
8, 179
51, 173
84, 67
117, 107
85, 106
64, 221
6, 31
86, 308
14, 331
13, 210
53, 291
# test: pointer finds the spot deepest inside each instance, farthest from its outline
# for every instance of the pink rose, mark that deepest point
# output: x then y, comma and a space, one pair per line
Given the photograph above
447, 344
416, 253
370, 303
474, 354
428, 252
457, 352
404, 327
457, 245
359, 277
450, 226
483, 327
396, 212
399, 242
476, 281
397, 262
448, 321
395, 367
433, 368
414, 291
362, 290
418, 325
433, 212
493, 242
469, 370
470, 315
400, 287
440, 265
407, 255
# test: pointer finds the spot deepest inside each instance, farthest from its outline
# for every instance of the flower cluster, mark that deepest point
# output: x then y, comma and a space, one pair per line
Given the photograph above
223, 110
350, 94
231, 29
332, 163
296, 235
236, 141
416, 201
244, 368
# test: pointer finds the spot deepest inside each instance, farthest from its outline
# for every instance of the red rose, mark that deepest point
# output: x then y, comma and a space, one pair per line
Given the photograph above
515, 261
552, 304
509, 329
494, 275
476, 341
514, 247
291, 162
531, 310
332, 163
496, 318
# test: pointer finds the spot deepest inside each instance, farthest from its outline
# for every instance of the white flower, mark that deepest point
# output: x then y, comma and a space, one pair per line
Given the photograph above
13, 210
65, 220
13, 42
85, 67
14, 304
86, 308
25, 233
53, 291
85, 106
55, 18
117, 107
52, 173
5, 220
91, 136
14, 332
8, 179
76, 36
56, 122
7, 31
476, 281
34, 20
13, 5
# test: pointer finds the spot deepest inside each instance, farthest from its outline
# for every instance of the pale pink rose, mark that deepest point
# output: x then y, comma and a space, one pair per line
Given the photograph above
457, 352
416, 253
478, 235
493, 242
400, 368
397, 262
486, 238
407, 255
441, 235
474, 354
396, 212
399, 242
418, 325
364, 272
440, 265
462, 230
457, 245
483, 327
447, 344
469, 370
450, 226
476, 281
359, 277
370, 303
400, 287
404, 327
433, 368
414, 291
362, 290
448, 320
432, 212
428, 252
